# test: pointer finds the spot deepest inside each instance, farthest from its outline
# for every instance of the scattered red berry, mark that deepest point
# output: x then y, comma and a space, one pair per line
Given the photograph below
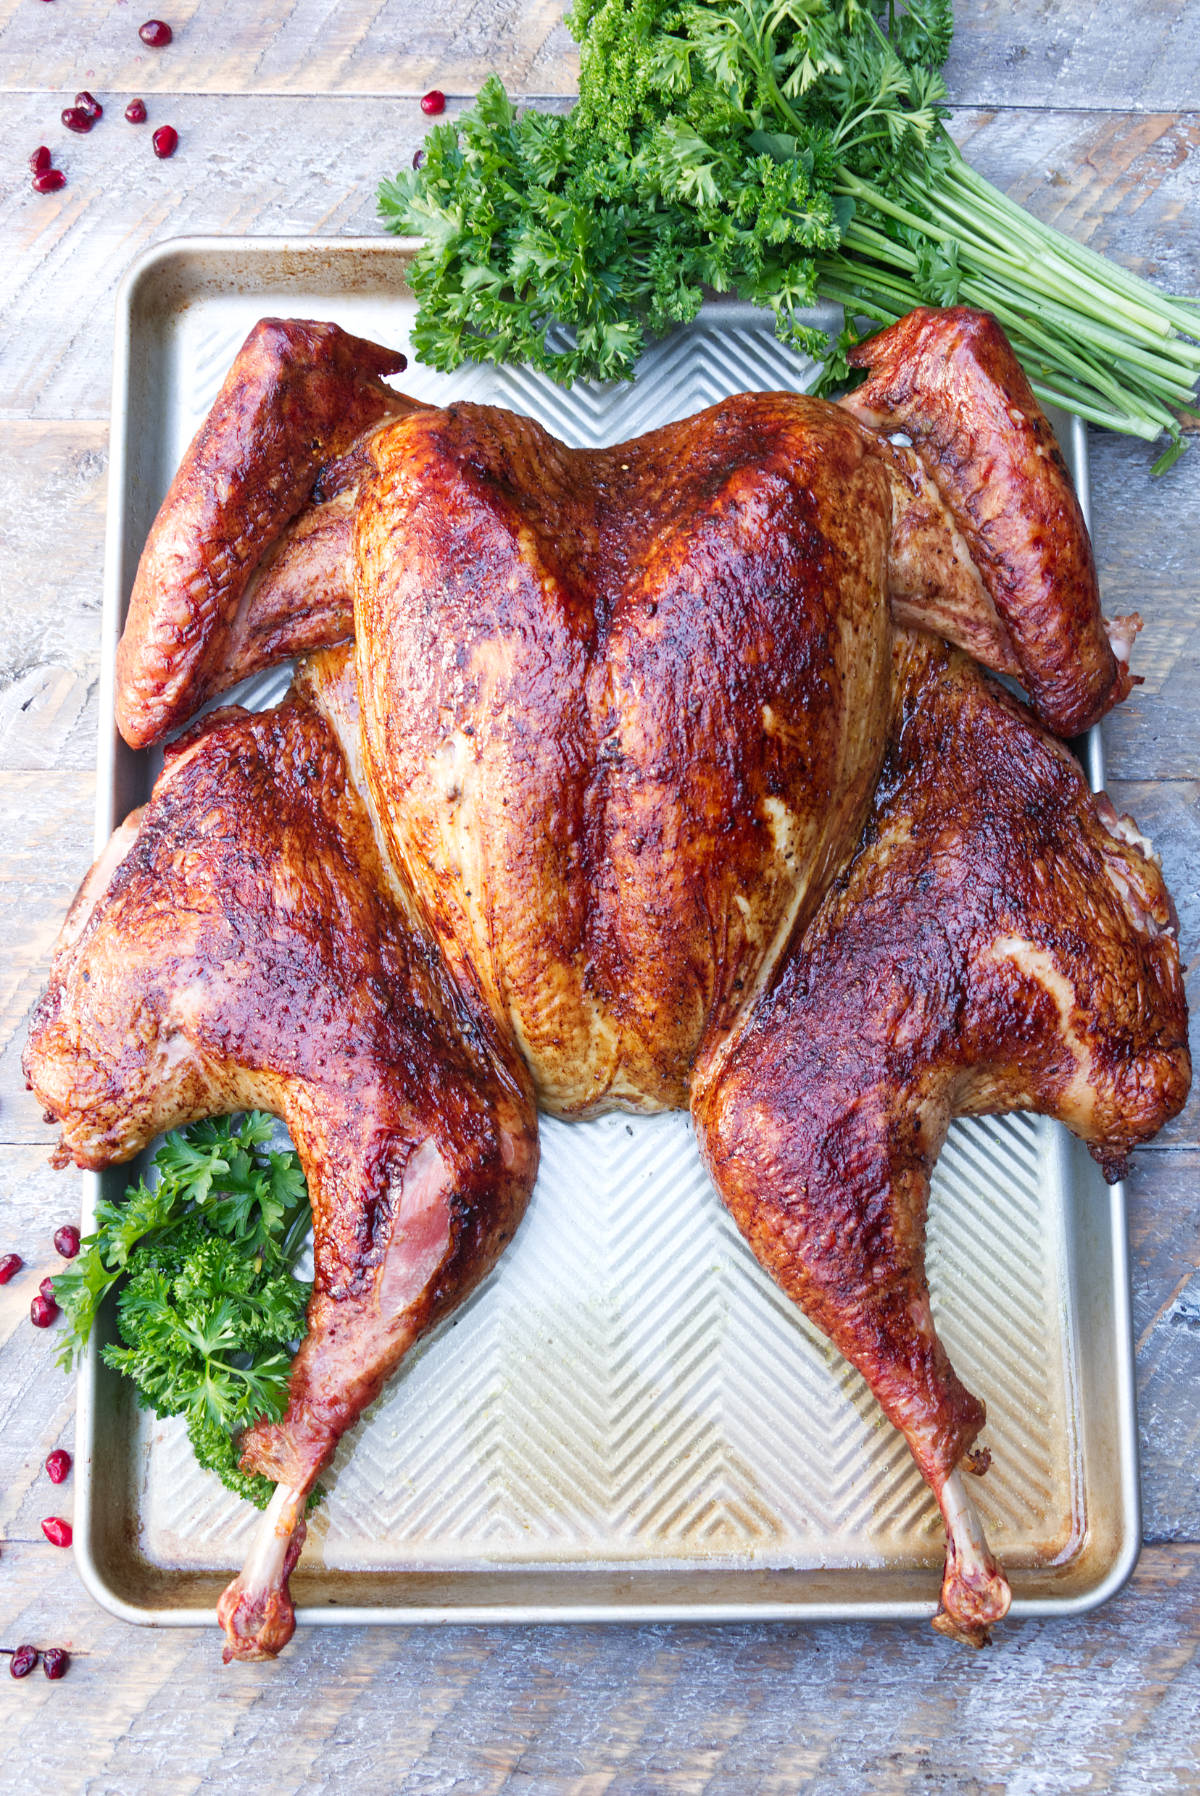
433, 102
418, 158
12, 1262
47, 1289
49, 181
57, 1532
39, 162
23, 1661
58, 1464
135, 112
88, 103
42, 1311
155, 34
165, 141
66, 1241
76, 119
55, 1660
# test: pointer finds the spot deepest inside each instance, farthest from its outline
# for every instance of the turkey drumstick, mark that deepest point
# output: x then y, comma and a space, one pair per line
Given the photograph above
246, 949
999, 942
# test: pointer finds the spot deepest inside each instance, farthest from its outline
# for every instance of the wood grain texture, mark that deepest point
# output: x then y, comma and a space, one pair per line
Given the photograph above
1106, 1706
1087, 114
45, 841
1075, 53
289, 46
1164, 1215
52, 493
1127, 184
1024, 53
1146, 534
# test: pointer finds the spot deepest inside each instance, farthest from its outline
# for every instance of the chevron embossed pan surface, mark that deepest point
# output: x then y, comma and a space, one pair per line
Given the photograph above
628, 1421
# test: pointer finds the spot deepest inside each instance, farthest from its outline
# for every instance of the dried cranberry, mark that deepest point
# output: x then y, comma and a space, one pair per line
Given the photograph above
40, 161
165, 141
66, 1241
58, 1464
50, 181
55, 1660
10, 1265
155, 34
42, 1311
433, 102
57, 1532
135, 112
23, 1661
76, 119
418, 158
88, 103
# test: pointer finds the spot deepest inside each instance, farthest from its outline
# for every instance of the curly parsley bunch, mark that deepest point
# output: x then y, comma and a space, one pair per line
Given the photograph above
208, 1307
783, 150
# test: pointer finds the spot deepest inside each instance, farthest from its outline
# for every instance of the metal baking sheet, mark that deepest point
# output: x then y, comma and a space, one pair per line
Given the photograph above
628, 1421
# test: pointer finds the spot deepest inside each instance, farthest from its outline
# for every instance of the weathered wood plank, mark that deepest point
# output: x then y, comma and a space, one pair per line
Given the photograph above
302, 47
1126, 184
1076, 53
37, 1401
1164, 1229
45, 848
243, 166
52, 493
1145, 534
1105, 1703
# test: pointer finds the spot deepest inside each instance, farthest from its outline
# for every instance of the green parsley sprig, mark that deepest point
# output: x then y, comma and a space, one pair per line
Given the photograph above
208, 1306
784, 150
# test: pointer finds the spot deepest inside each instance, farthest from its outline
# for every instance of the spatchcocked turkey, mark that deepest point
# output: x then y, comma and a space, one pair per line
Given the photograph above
652, 777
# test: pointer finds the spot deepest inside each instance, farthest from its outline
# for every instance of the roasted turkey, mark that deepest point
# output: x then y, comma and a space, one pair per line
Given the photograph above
658, 776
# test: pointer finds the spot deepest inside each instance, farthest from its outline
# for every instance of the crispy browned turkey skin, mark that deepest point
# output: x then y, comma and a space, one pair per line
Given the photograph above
643, 781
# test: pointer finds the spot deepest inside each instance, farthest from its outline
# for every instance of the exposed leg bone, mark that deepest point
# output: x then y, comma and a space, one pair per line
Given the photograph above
975, 1592
256, 1609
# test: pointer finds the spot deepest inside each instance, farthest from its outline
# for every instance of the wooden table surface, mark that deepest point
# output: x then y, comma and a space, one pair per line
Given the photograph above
288, 111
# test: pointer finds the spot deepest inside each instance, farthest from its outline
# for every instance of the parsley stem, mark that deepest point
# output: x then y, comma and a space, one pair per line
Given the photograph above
1182, 312
1041, 268
1022, 272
